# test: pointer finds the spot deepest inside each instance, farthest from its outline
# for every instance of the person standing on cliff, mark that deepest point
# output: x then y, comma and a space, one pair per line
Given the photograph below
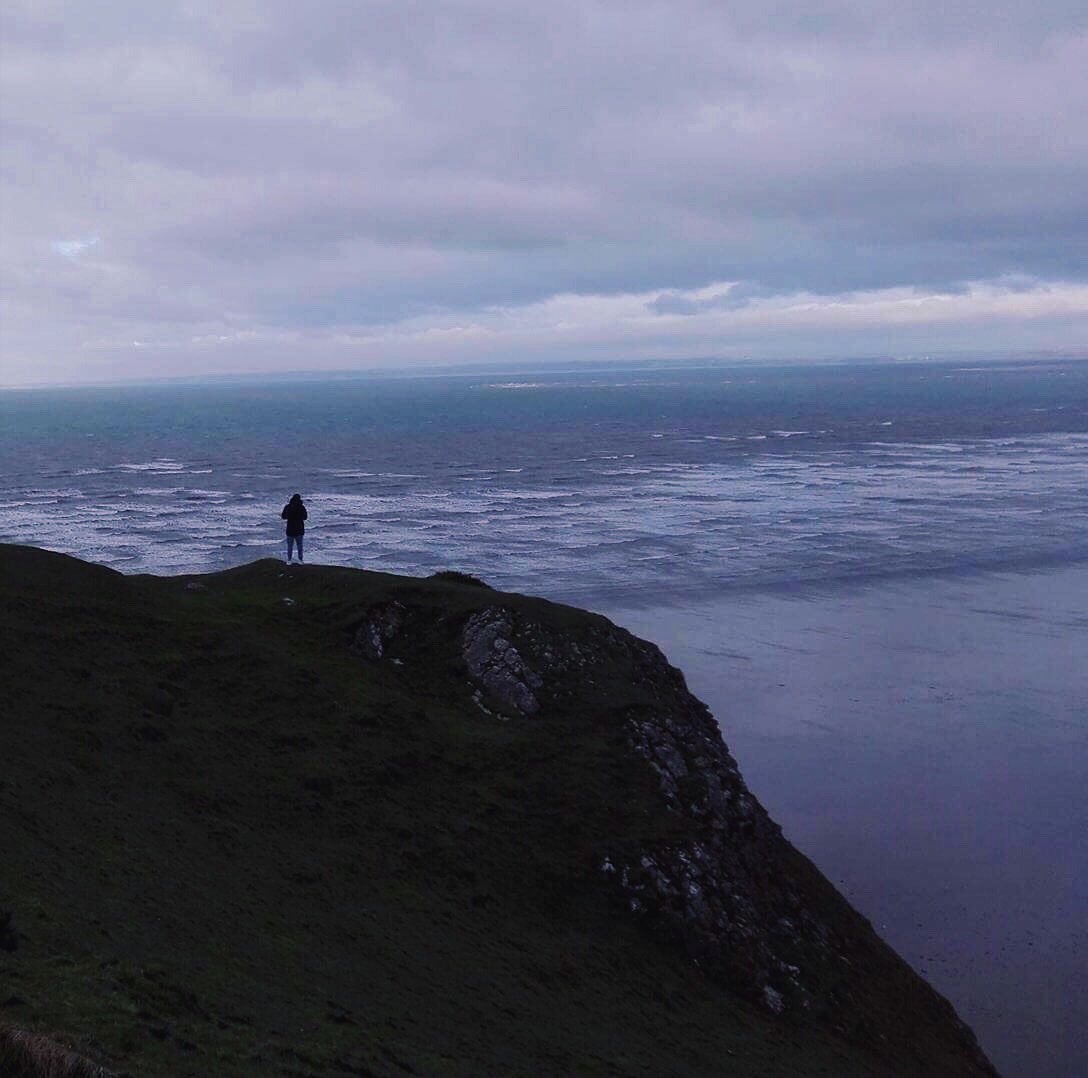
294, 512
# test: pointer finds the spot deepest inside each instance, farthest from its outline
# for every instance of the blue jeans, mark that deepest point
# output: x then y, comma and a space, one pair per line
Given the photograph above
291, 541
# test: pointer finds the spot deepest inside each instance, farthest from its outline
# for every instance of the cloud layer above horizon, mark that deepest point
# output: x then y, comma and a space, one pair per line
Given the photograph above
276, 186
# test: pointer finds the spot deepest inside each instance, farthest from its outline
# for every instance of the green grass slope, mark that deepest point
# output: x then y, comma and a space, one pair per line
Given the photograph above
231, 845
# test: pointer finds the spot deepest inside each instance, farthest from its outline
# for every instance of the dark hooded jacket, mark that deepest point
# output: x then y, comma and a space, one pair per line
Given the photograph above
294, 512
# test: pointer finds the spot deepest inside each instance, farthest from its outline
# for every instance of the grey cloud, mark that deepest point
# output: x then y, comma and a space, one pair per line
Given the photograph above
332, 163
323, 216
740, 294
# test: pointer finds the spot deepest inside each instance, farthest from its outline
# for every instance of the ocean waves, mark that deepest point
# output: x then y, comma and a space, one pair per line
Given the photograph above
582, 527
693, 485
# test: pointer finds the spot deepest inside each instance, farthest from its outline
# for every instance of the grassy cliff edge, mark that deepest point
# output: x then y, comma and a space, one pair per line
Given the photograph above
320, 821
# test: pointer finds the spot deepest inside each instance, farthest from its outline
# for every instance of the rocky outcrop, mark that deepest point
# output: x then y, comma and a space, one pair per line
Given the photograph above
380, 625
722, 883
496, 665
715, 889
719, 887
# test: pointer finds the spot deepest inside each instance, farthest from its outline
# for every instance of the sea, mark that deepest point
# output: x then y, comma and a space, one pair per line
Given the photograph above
875, 573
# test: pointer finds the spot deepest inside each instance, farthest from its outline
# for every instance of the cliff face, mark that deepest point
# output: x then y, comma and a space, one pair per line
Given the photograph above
361, 824
719, 881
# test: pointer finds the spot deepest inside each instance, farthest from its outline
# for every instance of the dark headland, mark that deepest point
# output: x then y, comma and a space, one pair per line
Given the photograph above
320, 821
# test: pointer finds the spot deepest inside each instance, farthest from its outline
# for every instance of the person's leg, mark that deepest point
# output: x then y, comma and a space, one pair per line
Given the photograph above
290, 546
299, 541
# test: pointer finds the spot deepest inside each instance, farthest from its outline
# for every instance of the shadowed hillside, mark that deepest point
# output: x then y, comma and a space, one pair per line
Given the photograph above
317, 821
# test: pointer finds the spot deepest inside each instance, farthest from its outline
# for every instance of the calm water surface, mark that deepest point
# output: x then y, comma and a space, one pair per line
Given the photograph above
924, 741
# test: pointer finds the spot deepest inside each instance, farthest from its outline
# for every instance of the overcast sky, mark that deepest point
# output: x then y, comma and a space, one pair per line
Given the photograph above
275, 185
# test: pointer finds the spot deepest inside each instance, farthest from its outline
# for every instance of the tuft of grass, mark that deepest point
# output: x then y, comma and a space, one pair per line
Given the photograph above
24, 1054
454, 576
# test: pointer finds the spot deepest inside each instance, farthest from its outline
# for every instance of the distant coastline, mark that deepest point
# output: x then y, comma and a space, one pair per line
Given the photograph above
988, 358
